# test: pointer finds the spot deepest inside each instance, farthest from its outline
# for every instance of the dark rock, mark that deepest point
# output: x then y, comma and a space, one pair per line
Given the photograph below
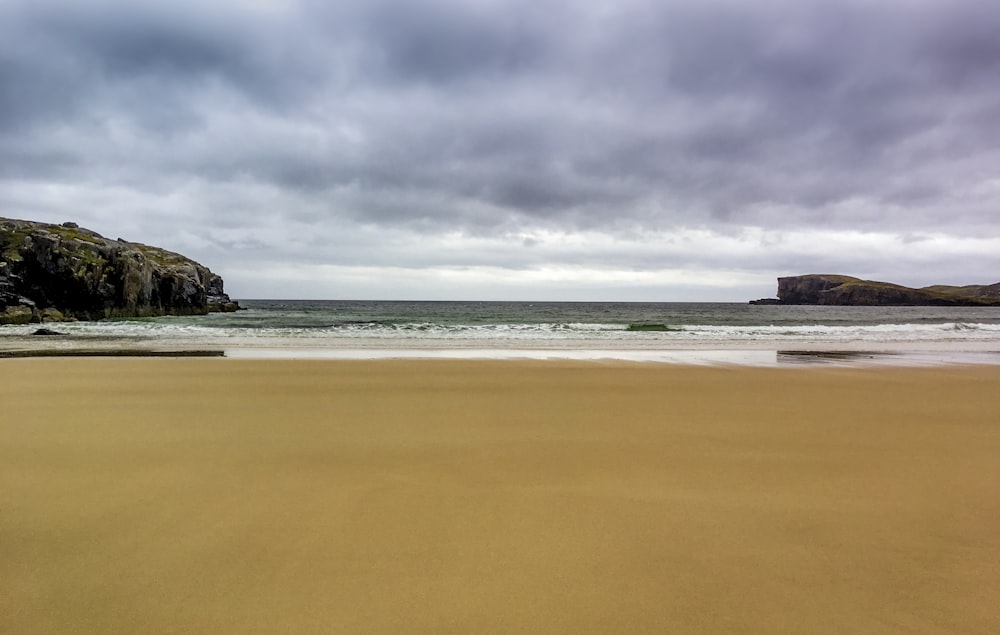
65, 269
767, 301
218, 300
14, 307
649, 327
70, 225
846, 290
808, 289
224, 307
44, 331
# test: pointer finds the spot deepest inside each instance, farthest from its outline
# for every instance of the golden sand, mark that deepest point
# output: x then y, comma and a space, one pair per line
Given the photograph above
228, 496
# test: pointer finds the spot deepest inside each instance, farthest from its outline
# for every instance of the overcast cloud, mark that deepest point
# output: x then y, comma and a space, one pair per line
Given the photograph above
514, 149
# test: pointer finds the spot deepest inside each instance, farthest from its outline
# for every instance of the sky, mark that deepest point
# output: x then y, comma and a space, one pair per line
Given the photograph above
626, 150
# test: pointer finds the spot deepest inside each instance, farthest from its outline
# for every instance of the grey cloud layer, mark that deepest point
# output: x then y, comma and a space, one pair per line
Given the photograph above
486, 117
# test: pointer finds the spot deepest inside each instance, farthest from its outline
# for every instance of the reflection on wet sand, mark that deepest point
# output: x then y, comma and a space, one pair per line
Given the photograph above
820, 357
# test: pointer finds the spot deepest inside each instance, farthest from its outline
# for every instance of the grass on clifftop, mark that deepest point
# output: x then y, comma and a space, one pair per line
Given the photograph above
13, 234
161, 256
14, 237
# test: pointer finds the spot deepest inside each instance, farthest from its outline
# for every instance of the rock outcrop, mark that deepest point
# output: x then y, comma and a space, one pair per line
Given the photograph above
58, 272
849, 291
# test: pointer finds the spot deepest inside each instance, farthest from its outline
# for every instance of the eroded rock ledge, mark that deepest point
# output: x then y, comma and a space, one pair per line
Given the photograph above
50, 273
848, 291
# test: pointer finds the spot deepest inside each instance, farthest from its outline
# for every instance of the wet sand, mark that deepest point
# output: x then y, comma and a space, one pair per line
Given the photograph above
248, 496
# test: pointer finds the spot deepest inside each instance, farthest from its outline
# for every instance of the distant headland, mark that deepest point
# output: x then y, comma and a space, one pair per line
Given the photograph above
848, 291
52, 273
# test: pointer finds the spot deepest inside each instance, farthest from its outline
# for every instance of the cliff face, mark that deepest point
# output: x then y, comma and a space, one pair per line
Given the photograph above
51, 272
845, 290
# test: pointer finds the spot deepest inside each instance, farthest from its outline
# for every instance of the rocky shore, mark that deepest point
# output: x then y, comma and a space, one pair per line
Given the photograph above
52, 273
848, 291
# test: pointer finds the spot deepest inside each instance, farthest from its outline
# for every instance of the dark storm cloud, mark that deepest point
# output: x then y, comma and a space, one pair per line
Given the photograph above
512, 117
448, 43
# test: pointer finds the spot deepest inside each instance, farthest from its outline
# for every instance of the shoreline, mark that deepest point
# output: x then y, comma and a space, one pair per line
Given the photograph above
234, 495
693, 333
760, 357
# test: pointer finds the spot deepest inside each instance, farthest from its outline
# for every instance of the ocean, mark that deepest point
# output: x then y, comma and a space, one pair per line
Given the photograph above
640, 331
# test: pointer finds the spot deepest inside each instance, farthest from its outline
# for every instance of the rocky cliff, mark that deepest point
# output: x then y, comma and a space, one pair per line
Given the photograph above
845, 290
53, 272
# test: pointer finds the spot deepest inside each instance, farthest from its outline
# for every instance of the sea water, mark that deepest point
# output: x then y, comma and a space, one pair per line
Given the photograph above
671, 331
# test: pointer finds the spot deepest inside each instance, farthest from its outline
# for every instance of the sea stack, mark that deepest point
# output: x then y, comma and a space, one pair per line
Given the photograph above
50, 273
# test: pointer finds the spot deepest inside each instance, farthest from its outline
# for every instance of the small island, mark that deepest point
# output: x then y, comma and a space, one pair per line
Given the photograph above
52, 273
832, 289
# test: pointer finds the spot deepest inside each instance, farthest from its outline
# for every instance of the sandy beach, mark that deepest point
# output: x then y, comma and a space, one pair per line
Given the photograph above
277, 496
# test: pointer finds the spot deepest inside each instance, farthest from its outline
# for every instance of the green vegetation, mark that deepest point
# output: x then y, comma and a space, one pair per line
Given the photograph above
833, 277
75, 233
11, 241
160, 256
939, 294
14, 235
967, 291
